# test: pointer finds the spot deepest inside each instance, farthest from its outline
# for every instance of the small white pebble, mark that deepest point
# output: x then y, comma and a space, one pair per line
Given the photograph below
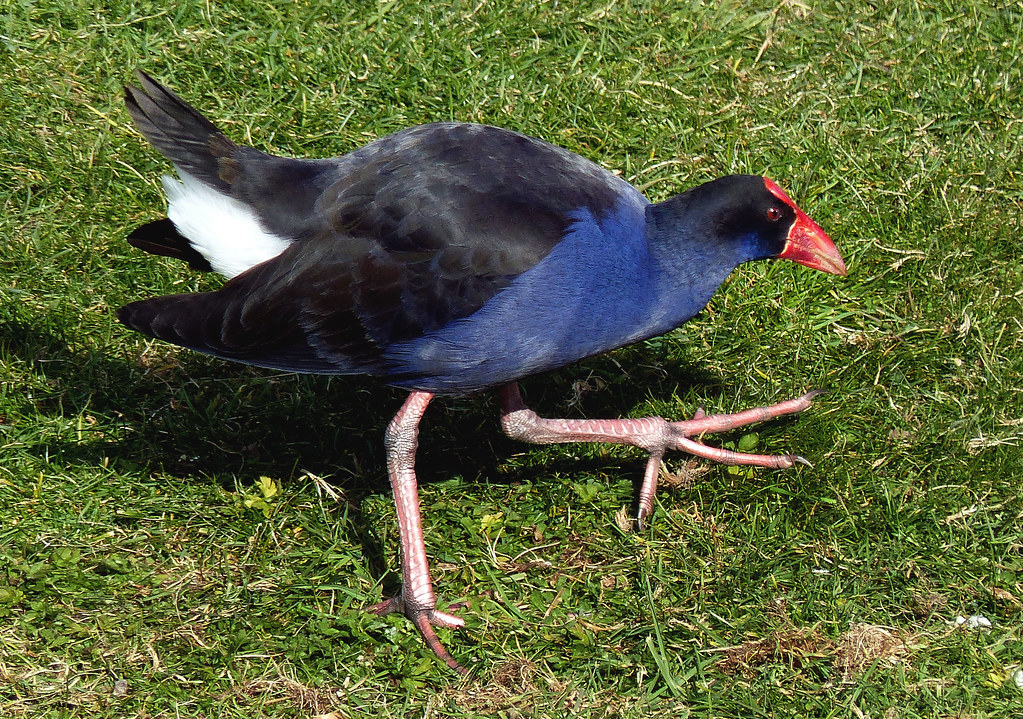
976, 621
1017, 677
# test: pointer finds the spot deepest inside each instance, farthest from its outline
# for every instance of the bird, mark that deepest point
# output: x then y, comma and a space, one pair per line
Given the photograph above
448, 259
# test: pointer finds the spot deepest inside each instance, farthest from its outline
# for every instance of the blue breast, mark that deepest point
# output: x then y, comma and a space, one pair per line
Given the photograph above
601, 287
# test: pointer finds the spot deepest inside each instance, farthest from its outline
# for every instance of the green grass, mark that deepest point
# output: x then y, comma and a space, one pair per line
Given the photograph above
146, 569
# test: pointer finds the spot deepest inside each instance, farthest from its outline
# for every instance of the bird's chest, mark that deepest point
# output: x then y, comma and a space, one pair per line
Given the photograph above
597, 290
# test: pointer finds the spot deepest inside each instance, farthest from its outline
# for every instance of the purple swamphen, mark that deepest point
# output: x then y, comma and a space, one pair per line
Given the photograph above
448, 259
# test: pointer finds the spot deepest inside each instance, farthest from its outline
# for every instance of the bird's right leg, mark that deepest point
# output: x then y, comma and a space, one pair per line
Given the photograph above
653, 434
416, 599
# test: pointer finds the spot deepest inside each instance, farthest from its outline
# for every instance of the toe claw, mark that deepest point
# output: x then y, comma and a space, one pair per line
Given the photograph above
801, 460
641, 521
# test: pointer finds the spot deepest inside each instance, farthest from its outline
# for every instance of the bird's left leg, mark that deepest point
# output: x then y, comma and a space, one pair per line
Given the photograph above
416, 599
653, 434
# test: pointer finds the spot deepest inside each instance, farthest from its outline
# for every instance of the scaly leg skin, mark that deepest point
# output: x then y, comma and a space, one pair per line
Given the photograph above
653, 434
416, 599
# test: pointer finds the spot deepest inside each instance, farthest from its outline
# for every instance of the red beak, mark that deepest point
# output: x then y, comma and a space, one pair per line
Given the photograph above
807, 243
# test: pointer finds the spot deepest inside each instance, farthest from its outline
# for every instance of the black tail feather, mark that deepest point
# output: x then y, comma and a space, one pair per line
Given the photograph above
179, 131
162, 238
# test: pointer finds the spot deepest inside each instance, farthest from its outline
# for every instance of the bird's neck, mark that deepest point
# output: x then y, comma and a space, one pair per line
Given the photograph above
687, 267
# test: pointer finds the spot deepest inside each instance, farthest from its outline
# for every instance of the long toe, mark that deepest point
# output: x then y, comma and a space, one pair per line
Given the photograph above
425, 620
388, 606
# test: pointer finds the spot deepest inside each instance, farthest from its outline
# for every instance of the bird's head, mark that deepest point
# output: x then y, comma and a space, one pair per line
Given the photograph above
804, 241
739, 218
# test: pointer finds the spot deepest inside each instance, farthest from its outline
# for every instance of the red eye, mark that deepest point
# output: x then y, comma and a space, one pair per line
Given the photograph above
773, 214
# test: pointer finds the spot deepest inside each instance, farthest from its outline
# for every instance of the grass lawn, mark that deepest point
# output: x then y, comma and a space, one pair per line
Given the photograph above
183, 537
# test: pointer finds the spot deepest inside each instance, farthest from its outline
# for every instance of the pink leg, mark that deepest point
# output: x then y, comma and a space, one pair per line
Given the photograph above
653, 434
416, 599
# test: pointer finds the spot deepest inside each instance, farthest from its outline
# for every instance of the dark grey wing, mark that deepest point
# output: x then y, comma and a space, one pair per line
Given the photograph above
329, 307
465, 207
299, 311
466, 186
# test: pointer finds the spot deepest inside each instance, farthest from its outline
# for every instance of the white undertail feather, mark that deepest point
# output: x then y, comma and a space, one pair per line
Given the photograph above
223, 230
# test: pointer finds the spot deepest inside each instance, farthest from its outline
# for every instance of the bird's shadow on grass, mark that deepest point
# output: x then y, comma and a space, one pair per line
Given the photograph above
180, 413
